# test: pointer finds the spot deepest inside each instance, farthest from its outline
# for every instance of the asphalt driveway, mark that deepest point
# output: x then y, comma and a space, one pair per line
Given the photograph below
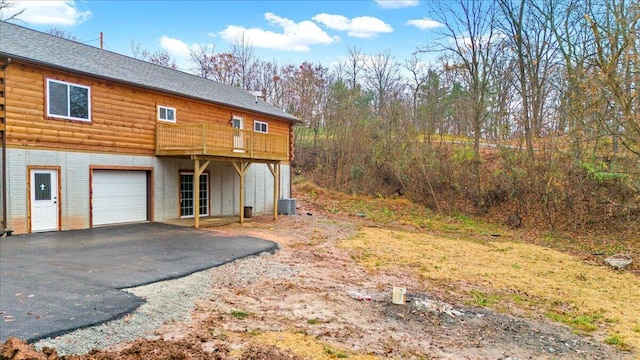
53, 283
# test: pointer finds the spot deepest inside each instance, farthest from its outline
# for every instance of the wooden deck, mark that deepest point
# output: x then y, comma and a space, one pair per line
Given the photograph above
217, 140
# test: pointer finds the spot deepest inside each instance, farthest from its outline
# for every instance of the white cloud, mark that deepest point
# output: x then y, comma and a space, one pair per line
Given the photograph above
55, 13
179, 51
294, 36
175, 47
465, 43
365, 27
396, 4
425, 23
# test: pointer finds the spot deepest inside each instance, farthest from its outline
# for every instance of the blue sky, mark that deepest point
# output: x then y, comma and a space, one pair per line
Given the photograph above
285, 31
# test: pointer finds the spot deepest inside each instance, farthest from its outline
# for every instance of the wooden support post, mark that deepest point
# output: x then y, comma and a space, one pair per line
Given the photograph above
196, 194
279, 172
197, 171
274, 168
276, 190
241, 170
241, 173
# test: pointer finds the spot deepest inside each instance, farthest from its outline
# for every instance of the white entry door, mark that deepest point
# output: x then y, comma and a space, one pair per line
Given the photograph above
238, 135
44, 200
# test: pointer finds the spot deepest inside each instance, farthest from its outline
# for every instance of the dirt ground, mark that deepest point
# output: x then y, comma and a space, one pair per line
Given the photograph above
296, 304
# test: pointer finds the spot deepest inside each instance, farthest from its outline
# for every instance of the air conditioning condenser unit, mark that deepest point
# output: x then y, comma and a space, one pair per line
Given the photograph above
287, 206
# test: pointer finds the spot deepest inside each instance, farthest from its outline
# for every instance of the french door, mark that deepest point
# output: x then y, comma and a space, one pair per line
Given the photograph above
187, 198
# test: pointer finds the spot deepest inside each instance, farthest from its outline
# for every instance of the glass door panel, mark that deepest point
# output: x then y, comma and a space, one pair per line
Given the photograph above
187, 198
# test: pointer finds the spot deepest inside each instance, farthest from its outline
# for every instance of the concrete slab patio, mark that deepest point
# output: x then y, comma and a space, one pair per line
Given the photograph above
54, 283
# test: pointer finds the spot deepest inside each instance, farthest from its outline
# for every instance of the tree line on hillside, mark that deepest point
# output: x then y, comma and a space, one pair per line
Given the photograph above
529, 113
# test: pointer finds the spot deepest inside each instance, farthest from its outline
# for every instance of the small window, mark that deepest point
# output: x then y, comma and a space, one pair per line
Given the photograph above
259, 126
166, 113
68, 101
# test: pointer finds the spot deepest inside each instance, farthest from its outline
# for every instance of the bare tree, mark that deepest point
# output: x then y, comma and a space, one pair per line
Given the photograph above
431, 112
62, 34
504, 105
418, 78
382, 76
348, 140
615, 25
565, 19
136, 50
5, 5
355, 65
471, 37
225, 69
162, 57
529, 37
243, 52
159, 57
267, 78
203, 58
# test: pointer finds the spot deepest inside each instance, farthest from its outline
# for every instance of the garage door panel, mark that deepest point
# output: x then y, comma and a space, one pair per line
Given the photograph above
119, 196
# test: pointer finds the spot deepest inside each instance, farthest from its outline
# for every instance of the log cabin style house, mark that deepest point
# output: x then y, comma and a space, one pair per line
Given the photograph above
91, 138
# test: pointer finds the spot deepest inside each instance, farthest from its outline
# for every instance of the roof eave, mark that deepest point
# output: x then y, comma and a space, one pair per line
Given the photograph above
291, 119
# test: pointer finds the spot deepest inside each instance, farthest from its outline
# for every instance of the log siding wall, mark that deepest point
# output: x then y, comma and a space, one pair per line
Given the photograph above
123, 117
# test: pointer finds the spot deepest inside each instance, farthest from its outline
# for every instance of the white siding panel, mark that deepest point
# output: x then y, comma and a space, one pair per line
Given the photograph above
165, 189
263, 203
229, 189
215, 183
259, 187
250, 188
285, 182
17, 189
75, 191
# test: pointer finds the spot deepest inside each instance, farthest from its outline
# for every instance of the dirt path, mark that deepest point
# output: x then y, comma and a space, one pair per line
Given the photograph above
295, 303
303, 289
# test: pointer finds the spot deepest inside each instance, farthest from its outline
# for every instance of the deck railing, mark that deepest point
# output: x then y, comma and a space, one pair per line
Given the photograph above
217, 140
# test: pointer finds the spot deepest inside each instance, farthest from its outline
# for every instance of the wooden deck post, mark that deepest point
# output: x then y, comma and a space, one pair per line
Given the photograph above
197, 171
276, 190
196, 194
275, 171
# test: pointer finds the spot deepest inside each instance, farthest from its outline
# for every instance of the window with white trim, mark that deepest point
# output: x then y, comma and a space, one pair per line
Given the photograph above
260, 126
68, 101
166, 113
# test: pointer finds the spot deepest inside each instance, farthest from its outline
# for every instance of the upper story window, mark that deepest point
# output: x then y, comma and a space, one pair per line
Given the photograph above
68, 101
260, 126
166, 113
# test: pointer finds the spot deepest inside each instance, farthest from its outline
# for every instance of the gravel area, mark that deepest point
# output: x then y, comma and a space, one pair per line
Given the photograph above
165, 302
297, 300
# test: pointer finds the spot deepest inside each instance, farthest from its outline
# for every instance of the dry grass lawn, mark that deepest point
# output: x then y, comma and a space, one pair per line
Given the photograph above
511, 275
306, 346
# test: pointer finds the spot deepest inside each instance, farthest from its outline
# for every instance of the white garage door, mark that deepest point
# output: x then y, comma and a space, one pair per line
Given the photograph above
119, 196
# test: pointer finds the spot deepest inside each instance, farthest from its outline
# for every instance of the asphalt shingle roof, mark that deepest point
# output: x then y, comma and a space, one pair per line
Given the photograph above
25, 44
